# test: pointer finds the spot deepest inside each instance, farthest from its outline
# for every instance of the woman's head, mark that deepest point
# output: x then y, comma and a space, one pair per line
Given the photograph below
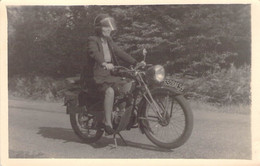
104, 25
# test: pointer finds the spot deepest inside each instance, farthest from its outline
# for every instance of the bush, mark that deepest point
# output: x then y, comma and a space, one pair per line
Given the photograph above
230, 86
35, 87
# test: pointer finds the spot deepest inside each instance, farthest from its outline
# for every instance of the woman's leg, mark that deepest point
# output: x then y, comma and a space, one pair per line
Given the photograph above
108, 105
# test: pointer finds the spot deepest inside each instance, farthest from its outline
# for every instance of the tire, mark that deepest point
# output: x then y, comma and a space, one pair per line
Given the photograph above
187, 124
78, 127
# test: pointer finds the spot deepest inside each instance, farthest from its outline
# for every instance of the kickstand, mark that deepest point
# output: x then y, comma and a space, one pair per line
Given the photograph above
122, 139
114, 136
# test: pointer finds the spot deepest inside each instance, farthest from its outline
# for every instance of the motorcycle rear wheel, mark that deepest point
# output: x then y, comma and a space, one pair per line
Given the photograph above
179, 120
85, 127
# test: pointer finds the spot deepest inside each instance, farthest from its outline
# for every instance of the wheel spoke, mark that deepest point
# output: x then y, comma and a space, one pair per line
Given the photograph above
171, 109
149, 119
176, 126
173, 130
178, 118
151, 116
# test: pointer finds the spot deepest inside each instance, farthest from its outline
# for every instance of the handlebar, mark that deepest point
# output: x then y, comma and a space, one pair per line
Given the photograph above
123, 69
131, 70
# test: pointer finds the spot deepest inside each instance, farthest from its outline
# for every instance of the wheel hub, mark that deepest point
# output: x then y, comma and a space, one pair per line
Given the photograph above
165, 120
86, 121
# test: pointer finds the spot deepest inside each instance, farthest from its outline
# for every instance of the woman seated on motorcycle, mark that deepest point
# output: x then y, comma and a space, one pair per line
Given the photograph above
105, 53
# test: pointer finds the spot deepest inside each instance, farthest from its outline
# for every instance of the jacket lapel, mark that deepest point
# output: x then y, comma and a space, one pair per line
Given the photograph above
110, 45
99, 42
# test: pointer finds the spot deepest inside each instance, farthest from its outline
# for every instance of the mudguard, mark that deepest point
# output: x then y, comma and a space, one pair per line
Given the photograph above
80, 100
172, 90
71, 103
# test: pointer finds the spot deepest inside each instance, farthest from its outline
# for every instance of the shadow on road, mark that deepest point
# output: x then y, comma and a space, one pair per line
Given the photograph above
35, 109
104, 141
68, 136
59, 133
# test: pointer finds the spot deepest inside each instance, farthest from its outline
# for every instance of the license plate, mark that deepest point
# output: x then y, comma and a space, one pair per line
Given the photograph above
174, 84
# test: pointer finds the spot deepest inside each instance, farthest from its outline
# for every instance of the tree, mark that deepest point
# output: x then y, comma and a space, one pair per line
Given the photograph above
51, 40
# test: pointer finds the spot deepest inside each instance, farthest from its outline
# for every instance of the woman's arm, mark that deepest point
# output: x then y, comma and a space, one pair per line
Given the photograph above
122, 54
94, 50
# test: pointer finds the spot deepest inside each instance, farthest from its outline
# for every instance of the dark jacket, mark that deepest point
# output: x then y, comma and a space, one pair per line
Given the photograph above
95, 51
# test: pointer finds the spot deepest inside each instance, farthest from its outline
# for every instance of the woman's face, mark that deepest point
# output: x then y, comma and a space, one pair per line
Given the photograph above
106, 31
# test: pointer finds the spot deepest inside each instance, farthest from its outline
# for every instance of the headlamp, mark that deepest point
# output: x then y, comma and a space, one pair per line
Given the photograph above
159, 73
155, 74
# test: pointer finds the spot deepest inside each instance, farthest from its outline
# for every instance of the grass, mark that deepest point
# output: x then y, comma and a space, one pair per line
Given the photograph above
225, 91
226, 87
36, 88
231, 108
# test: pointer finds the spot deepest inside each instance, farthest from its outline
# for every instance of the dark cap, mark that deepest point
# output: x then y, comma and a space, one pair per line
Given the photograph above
104, 20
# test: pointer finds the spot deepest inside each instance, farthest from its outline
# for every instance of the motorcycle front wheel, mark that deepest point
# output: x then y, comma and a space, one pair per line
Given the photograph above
173, 125
85, 126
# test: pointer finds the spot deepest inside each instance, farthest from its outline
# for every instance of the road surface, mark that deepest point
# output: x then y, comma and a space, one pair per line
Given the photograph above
42, 130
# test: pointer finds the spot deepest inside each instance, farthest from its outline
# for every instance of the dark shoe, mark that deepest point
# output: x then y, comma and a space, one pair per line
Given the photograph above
109, 130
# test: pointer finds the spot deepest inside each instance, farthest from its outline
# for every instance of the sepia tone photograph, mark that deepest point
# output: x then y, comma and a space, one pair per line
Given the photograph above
129, 81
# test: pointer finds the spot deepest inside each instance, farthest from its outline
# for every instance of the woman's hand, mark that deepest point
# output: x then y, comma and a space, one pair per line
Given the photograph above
140, 64
143, 63
108, 66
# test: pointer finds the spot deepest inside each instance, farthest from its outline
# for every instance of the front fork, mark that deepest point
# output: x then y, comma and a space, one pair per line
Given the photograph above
149, 98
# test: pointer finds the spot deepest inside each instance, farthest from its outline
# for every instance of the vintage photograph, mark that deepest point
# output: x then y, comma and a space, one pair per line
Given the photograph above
129, 81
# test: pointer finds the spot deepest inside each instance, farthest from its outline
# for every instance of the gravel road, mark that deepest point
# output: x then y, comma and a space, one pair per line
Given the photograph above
42, 130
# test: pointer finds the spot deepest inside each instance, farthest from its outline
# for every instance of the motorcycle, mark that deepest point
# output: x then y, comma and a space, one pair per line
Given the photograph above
158, 108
